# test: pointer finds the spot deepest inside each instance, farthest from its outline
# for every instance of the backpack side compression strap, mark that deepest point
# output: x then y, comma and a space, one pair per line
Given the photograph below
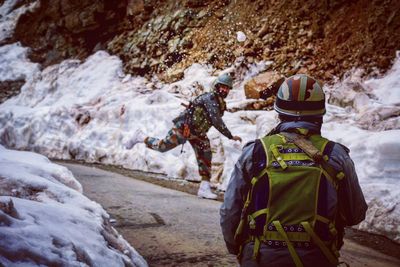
292, 251
325, 250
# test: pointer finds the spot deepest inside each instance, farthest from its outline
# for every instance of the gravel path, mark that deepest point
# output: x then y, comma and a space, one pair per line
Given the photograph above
173, 228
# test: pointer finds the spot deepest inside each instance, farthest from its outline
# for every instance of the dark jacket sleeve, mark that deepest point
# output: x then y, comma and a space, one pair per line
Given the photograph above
352, 205
234, 197
213, 111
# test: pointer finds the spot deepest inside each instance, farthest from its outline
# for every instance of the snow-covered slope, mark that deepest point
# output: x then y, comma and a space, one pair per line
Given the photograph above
46, 220
87, 110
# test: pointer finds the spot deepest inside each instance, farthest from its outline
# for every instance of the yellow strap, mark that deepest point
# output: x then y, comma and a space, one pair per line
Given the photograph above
255, 179
331, 226
329, 178
302, 131
328, 254
253, 216
292, 251
239, 229
256, 250
340, 175
278, 157
322, 219
295, 156
259, 212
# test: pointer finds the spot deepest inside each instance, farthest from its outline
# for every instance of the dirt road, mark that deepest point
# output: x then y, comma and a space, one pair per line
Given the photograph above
172, 228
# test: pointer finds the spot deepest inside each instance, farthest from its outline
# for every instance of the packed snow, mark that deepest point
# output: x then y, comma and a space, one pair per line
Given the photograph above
9, 16
22, 69
88, 110
46, 220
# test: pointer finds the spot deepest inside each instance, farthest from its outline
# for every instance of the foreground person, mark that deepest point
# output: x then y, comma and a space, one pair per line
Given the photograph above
293, 191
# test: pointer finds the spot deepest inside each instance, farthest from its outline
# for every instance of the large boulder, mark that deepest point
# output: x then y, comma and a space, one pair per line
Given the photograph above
263, 85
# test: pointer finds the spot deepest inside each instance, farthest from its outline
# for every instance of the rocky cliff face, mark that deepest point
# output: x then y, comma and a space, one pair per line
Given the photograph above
62, 29
322, 38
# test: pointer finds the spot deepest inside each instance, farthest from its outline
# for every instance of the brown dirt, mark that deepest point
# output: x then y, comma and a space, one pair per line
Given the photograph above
323, 38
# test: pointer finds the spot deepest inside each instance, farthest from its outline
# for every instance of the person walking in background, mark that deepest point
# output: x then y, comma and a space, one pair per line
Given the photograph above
293, 191
192, 125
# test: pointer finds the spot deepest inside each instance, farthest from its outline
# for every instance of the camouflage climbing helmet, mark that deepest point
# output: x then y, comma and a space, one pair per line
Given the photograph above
225, 79
300, 96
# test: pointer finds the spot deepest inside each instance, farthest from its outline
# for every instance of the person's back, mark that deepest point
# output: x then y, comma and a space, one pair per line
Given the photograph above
295, 183
203, 112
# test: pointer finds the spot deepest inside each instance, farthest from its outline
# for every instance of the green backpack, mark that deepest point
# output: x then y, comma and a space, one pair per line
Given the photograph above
199, 117
292, 215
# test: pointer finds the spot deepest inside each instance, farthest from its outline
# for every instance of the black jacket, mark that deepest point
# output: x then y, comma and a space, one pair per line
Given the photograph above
350, 199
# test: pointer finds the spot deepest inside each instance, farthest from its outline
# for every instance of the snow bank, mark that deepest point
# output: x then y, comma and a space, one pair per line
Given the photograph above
15, 64
45, 220
369, 124
87, 110
377, 160
386, 88
9, 16
373, 104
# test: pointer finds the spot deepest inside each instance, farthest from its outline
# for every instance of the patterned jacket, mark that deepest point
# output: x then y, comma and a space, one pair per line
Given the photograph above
205, 111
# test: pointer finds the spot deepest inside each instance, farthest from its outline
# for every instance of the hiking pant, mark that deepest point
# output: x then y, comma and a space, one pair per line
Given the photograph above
200, 144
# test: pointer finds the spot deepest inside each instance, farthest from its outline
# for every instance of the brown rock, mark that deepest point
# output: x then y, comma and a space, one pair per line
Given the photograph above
263, 31
134, 7
238, 51
83, 118
87, 18
72, 21
302, 70
263, 85
8, 208
173, 75
327, 76
196, 3
264, 104
219, 14
249, 52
